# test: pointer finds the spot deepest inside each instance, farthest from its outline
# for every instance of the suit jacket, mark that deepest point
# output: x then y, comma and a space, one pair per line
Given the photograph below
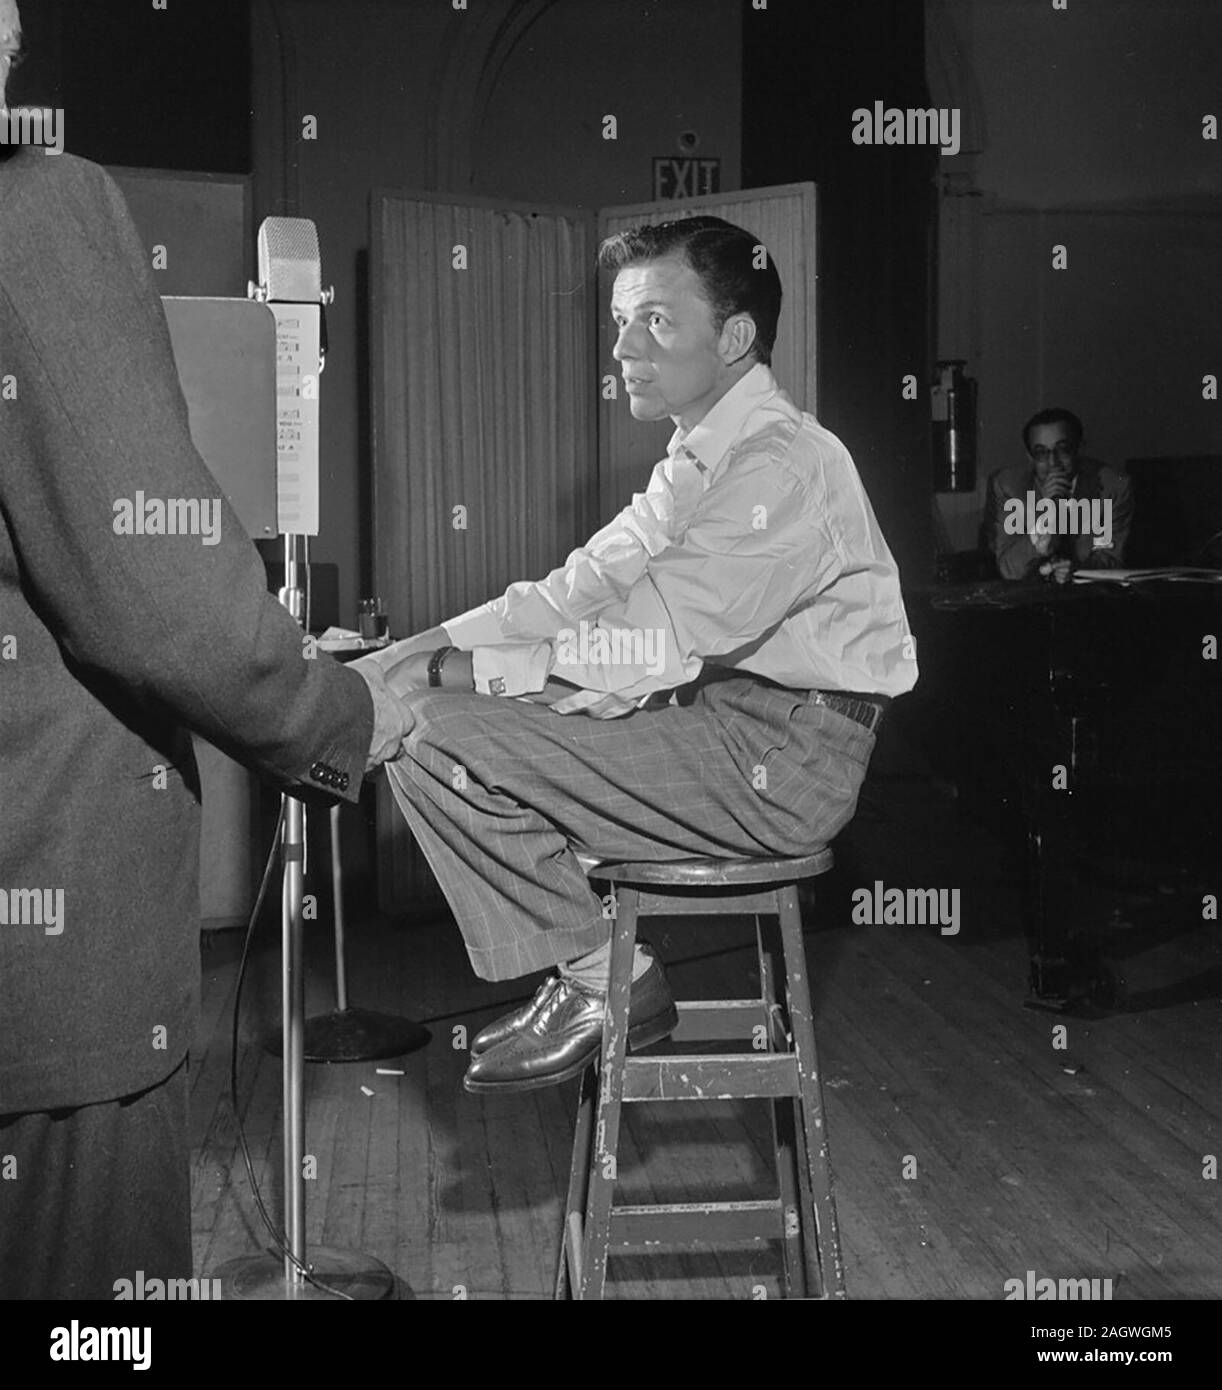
1017, 558
112, 647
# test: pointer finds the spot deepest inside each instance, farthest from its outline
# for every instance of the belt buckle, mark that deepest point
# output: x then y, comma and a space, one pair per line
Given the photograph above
864, 712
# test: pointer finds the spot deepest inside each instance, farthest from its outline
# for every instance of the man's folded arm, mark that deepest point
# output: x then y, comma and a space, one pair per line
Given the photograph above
1016, 555
97, 419
1121, 500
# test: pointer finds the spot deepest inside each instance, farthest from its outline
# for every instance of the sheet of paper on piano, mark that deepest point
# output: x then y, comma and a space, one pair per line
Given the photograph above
1181, 573
344, 639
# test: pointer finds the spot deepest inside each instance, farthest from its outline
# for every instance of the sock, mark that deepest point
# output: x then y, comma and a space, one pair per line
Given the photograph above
594, 969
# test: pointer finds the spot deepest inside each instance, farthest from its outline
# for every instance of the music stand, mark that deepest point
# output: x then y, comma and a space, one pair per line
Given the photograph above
226, 351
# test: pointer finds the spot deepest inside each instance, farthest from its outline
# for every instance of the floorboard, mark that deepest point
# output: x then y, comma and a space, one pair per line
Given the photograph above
971, 1140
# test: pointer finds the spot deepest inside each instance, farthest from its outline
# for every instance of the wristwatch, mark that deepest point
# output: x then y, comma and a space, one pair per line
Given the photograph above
436, 662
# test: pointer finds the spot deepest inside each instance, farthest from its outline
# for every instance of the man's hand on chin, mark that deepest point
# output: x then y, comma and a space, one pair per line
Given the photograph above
1058, 482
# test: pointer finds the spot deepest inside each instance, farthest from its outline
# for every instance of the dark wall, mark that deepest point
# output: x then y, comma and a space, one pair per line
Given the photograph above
149, 88
172, 89
807, 65
503, 100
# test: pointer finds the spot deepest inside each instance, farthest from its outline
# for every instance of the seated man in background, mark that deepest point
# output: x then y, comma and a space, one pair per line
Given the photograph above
1059, 511
716, 661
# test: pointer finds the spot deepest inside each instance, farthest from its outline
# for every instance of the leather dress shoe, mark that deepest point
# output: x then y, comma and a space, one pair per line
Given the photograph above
517, 1019
499, 1029
566, 1034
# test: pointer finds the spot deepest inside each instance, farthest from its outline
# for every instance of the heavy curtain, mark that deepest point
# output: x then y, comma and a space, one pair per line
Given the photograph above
495, 448
483, 391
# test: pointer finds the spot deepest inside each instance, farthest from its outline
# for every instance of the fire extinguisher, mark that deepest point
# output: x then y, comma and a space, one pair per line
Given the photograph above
953, 401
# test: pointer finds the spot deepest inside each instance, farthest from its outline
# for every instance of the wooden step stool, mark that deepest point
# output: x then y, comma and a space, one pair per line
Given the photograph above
782, 1067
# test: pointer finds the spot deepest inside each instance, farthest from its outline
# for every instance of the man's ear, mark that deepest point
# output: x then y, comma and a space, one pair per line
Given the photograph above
737, 338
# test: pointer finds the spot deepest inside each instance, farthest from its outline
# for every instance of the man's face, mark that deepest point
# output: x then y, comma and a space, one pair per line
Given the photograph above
10, 41
1051, 450
668, 350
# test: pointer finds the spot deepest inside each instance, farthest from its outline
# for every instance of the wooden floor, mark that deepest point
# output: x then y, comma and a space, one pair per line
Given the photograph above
1085, 1161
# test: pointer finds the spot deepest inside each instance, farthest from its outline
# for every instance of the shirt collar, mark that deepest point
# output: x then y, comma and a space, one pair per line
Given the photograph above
709, 440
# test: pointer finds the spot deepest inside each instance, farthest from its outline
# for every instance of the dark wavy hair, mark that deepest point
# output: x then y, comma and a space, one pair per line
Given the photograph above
1054, 416
722, 255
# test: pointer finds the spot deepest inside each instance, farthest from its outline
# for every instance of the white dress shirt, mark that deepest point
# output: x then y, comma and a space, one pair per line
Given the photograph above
753, 546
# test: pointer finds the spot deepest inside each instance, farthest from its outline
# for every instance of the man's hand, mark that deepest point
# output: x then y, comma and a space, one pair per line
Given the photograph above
405, 663
413, 672
1057, 570
595, 704
1058, 482
392, 719
404, 667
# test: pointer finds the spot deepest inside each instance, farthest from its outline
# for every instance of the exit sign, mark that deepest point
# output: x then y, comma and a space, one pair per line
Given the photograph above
685, 176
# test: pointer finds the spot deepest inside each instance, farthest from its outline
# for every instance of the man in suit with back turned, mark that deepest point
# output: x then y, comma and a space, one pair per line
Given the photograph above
112, 647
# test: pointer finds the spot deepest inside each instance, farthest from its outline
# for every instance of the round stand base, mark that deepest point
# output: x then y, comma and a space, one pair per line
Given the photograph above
352, 1275
354, 1035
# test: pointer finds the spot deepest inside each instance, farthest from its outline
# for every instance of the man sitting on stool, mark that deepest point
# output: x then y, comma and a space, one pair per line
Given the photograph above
703, 678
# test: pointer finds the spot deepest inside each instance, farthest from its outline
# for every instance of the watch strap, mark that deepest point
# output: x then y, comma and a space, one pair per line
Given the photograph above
436, 662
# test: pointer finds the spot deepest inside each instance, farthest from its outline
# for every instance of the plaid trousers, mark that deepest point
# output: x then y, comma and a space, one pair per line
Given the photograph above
500, 793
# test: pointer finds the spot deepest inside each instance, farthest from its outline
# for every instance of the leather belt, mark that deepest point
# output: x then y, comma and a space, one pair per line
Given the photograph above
863, 708
867, 710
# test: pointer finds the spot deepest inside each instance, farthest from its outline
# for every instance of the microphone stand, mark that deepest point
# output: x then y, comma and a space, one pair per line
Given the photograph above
349, 1034
326, 1272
